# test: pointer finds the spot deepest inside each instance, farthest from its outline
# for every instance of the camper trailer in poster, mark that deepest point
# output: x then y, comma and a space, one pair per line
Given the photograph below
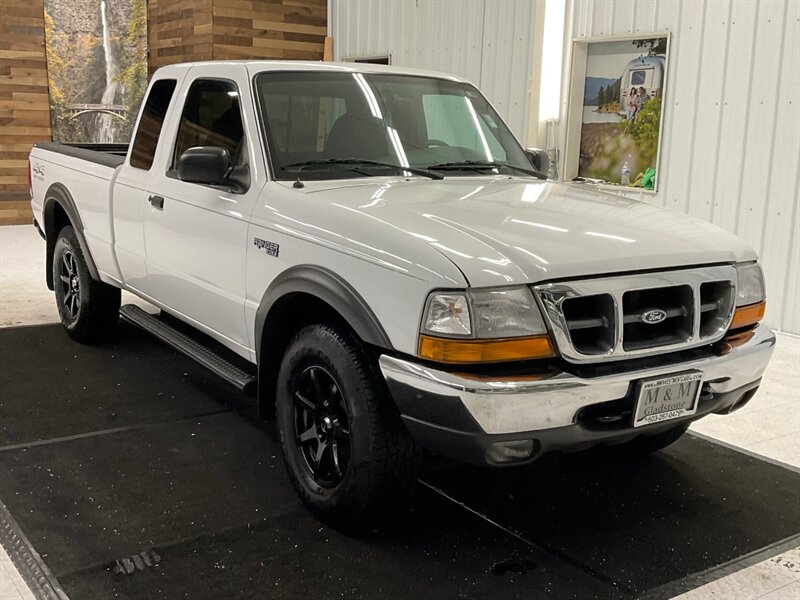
644, 72
624, 86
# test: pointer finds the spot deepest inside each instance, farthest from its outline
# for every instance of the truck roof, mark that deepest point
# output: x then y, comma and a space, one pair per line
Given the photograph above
259, 66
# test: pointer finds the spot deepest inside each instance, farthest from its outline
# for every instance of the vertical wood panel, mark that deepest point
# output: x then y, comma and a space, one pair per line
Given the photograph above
186, 30
730, 151
235, 30
178, 32
24, 102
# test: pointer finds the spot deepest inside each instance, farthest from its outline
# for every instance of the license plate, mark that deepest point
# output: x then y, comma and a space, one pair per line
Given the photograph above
665, 398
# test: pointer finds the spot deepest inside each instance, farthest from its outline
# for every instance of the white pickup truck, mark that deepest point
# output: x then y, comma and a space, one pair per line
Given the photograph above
380, 247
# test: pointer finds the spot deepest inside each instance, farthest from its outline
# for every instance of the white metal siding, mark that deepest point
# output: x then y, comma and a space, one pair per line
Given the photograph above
731, 147
488, 42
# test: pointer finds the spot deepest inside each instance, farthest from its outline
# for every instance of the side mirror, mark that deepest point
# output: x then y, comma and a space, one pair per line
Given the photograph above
538, 159
209, 165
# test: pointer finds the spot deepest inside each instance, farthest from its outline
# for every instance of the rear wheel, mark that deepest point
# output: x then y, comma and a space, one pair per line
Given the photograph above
88, 309
348, 454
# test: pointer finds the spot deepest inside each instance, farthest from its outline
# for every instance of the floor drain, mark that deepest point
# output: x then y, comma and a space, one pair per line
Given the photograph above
136, 562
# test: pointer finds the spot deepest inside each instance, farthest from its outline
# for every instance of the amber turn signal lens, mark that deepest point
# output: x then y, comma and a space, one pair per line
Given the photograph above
748, 315
484, 351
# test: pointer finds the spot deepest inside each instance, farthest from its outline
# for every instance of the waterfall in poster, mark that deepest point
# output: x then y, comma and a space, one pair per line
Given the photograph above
105, 125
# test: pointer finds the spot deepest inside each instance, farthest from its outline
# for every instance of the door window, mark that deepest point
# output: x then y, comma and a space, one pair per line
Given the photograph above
143, 149
211, 117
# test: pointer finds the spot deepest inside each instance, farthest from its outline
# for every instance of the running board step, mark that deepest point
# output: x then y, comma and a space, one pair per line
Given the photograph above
190, 347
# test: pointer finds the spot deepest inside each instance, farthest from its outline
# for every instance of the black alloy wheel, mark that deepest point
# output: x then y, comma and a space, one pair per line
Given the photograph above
346, 449
321, 426
70, 285
88, 308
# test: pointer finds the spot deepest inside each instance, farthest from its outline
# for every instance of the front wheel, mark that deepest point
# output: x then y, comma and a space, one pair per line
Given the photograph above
88, 309
348, 454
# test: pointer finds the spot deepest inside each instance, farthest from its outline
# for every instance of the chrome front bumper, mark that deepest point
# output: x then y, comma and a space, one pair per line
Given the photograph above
504, 407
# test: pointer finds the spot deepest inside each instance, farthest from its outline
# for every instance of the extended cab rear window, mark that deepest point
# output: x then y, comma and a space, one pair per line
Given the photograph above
144, 145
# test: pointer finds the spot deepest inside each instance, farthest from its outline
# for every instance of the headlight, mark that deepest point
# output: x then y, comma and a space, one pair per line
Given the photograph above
510, 312
750, 288
447, 314
750, 296
489, 325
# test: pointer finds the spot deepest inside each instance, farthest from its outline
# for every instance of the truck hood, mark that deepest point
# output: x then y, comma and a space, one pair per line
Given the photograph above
502, 231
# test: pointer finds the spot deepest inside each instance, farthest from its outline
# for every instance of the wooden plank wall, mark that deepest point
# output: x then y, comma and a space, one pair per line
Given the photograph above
279, 29
179, 31
24, 102
235, 30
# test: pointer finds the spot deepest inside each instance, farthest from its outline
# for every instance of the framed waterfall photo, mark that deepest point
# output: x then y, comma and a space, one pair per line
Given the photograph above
616, 109
96, 67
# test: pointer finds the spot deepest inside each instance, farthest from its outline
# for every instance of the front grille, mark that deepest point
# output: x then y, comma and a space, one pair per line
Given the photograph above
619, 317
716, 303
678, 304
591, 323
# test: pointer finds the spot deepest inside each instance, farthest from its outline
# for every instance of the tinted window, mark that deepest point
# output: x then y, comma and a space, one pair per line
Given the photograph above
155, 109
638, 77
302, 118
452, 120
211, 117
316, 117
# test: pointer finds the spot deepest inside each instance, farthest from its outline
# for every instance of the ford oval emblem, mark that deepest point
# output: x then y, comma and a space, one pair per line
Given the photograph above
651, 317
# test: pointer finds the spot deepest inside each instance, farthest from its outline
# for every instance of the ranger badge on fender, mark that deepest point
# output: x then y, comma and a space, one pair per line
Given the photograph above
270, 248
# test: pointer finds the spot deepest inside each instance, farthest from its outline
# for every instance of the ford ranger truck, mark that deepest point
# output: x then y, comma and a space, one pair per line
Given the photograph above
376, 243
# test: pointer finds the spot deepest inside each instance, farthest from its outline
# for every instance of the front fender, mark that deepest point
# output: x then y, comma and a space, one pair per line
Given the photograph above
275, 323
330, 288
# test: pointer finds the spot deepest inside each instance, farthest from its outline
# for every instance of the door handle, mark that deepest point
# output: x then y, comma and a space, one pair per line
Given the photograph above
156, 202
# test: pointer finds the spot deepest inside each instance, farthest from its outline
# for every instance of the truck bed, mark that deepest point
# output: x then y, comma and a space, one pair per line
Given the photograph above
108, 155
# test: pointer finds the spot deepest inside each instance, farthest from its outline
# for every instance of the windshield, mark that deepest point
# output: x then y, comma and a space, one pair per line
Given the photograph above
316, 120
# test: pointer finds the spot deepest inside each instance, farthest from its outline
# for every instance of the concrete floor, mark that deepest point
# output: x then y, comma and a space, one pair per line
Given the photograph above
768, 426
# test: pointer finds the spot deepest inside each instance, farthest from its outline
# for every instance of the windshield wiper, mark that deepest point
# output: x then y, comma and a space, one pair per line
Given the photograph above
300, 166
476, 165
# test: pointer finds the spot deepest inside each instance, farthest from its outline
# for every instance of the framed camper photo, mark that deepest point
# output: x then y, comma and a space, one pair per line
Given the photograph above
616, 109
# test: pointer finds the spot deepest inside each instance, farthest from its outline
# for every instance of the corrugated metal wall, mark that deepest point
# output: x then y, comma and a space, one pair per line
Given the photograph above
731, 146
488, 42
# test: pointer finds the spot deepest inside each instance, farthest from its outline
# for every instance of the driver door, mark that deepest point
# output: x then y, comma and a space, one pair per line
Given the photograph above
196, 234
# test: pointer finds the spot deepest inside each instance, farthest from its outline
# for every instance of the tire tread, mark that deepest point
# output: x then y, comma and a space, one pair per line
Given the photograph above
384, 484
100, 302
